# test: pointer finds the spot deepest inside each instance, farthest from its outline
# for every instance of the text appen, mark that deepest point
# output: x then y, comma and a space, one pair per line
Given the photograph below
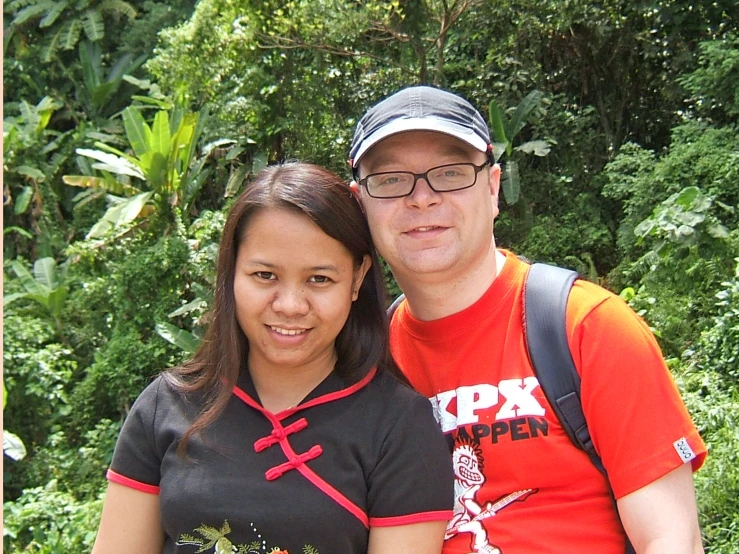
519, 413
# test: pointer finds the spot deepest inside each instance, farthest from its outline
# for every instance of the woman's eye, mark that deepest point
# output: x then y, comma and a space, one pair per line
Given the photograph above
265, 275
320, 279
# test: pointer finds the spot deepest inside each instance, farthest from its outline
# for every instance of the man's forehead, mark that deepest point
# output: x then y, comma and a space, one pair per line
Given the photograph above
386, 152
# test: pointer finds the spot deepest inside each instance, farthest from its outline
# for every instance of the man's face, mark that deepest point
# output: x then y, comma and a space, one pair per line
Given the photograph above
430, 236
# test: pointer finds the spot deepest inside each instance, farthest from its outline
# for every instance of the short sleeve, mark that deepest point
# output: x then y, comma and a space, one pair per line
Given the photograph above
639, 423
413, 481
136, 462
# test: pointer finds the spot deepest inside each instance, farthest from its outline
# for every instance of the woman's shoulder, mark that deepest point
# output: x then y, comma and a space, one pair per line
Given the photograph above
395, 396
390, 384
163, 394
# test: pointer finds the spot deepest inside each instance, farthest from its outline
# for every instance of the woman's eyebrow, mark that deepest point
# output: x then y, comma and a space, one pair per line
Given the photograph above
270, 265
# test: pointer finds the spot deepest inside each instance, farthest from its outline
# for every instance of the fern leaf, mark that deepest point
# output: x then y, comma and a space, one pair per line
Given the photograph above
93, 25
53, 14
119, 7
72, 37
31, 12
17, 5
53, 45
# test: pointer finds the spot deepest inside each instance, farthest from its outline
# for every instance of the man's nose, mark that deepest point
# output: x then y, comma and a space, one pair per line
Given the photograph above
423, 195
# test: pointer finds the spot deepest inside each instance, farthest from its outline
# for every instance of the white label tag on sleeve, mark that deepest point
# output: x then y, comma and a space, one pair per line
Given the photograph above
683, 449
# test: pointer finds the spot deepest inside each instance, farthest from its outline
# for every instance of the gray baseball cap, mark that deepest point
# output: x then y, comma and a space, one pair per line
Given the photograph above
420, 109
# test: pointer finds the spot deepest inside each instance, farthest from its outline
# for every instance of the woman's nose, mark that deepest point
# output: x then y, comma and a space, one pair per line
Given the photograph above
290, 301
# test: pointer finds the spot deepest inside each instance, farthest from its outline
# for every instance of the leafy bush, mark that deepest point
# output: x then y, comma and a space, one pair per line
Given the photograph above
708, 377
37, 371
46, 520
119, 309
77, 466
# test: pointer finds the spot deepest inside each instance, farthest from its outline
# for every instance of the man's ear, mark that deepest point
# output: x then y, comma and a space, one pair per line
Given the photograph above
354, 187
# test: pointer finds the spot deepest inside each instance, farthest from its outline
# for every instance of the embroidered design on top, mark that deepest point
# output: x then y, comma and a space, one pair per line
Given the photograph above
216, 539
469, 513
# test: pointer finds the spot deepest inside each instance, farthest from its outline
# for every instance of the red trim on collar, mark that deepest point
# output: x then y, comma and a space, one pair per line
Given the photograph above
298, 461
330, 397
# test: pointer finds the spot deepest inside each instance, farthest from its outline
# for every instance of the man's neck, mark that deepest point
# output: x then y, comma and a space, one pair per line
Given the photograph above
438, 296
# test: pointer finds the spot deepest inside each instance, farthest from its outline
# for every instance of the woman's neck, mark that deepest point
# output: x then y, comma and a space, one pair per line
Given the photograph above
283, 388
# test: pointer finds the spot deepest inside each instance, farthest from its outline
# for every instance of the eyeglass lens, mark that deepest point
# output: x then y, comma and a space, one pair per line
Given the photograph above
444, 178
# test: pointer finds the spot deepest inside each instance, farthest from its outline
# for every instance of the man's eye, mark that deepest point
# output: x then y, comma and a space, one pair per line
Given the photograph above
390, 180
451, 172
320, 279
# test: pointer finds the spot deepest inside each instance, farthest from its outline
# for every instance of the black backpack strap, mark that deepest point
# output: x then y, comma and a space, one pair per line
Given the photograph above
545, 305
546, 293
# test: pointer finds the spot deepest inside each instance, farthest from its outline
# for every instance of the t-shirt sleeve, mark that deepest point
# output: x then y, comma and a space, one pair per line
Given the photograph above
136, 462
637, 419
413, 481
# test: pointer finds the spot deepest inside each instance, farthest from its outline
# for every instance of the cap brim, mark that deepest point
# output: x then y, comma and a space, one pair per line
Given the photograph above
420, 124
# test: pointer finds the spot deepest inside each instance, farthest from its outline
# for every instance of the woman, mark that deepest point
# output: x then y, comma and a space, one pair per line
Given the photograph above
289, 431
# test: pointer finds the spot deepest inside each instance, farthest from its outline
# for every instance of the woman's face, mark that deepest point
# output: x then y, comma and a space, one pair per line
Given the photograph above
293, 286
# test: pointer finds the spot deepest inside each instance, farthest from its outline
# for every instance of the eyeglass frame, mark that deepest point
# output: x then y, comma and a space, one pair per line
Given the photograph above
416, 176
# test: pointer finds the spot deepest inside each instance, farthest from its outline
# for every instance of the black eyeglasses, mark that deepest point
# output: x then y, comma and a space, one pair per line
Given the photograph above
442, 178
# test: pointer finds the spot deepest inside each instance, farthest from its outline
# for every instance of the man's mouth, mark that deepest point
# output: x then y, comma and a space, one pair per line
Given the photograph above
424, 228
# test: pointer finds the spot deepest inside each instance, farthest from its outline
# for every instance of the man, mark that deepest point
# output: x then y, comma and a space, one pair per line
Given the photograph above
428, 182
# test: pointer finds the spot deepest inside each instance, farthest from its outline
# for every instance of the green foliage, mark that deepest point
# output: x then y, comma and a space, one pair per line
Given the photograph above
119, 310
647, 91
64, 21
46, 286
504, 130
34, 154
37, 371
162, 158
708, 380
715, 83
719, 346
77, 465
684, 220
185, 340
46, 520
714, 407
699, 155
26, 143
99, 93
678, 209
13, 446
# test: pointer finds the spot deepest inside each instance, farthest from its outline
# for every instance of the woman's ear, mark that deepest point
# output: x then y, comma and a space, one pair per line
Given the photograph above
359, 274
494, 185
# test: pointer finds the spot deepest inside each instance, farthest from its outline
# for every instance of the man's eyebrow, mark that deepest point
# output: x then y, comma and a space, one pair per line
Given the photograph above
390, 158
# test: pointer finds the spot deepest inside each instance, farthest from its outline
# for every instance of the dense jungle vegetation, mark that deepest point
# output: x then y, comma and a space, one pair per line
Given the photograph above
130, 125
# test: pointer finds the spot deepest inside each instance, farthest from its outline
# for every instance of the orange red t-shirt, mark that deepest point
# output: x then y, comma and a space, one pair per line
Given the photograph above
520, 484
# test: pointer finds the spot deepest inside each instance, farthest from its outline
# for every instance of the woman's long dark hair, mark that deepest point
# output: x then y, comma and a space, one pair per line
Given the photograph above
362, 343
